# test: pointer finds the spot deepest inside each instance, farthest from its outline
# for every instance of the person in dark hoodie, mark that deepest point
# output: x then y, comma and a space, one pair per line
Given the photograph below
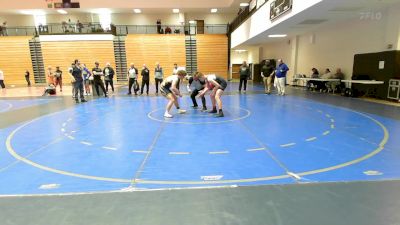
244, 76
77, 77
145, 79
58, 78
197, 85
97, 73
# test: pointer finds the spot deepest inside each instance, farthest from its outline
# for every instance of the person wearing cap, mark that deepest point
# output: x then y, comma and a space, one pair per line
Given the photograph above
132, 78
145, 79
58, 78
108, 76
169, 90
97, 81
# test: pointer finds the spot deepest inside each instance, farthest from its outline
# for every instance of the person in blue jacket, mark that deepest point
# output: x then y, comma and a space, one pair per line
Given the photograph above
280, 73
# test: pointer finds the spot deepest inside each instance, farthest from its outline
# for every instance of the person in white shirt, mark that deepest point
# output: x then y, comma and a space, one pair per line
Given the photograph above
322, 84
2, 79
168, 89
327, 74
132, 78
175, 70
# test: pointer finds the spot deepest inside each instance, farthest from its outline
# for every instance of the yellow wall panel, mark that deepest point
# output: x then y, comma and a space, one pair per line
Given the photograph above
151, 48
15, 59
212, 54
63, 53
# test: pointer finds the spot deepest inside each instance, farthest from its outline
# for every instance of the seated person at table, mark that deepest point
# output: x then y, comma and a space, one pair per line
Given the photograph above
314, 74
327, 74
321, 85
335, 85
338, 74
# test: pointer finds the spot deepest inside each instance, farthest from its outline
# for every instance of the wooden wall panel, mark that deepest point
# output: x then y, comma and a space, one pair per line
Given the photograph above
151, 48
63, 53
212, 54
15, 59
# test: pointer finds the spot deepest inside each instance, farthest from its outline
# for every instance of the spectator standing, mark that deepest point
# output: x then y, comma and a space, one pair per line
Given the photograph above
71, 26
175, 69
4, 29
97, 81
72, 80
58, 78
145, 79
79, 25
78, 78
159, 26
244, 76
267, 71
109, 76
132, 78
175, 72
27, 78
158, 75
64, 26
2, 80
86, 79
50, 75
280, 73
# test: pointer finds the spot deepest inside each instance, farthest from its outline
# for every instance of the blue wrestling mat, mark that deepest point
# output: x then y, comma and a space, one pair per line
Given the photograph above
125, 143
9, 105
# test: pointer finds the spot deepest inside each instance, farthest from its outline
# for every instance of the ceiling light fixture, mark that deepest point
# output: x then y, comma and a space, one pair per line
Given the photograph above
244, 4
137, 11
277, 35
175, 10
26, 12
33, 12
214, 10
62, 11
